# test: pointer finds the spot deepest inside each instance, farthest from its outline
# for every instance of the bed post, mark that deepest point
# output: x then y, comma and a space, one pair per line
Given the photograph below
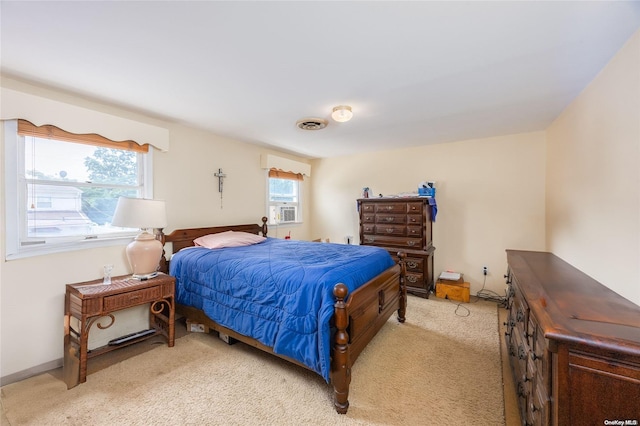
264, 226
402, 305
341, 368
164, 266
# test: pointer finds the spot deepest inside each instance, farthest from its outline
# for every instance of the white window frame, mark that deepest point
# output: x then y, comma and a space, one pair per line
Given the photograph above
15, 217
274, 221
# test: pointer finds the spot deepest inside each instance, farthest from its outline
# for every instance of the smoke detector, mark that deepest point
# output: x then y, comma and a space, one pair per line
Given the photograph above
312, 123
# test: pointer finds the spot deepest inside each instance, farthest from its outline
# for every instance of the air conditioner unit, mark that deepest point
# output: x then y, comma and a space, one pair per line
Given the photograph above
287, 214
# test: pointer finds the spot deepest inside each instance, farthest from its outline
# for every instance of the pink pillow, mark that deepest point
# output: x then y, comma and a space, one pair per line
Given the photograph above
228, 239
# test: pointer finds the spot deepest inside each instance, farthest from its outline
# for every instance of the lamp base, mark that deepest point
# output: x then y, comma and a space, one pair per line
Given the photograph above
144, 254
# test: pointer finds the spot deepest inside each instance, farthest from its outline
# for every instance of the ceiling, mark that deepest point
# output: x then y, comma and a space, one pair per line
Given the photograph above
414, 73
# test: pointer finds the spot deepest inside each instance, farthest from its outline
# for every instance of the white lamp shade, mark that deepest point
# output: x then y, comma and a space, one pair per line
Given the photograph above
140, 213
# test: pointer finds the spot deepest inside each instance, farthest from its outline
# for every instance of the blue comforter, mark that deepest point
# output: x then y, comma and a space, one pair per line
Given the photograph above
279, 292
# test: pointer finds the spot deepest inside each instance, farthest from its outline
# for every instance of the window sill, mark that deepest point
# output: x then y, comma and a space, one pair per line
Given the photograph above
276, 225
68, 247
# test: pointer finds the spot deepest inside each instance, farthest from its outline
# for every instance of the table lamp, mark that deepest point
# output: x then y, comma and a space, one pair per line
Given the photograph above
145, 250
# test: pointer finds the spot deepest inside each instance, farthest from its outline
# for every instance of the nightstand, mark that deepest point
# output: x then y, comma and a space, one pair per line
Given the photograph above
94, 302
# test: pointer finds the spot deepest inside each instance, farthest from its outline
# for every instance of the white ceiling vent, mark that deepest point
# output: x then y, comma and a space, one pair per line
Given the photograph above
312, 123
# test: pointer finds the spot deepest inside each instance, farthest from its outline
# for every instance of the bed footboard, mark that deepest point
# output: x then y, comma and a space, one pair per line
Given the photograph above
358, 319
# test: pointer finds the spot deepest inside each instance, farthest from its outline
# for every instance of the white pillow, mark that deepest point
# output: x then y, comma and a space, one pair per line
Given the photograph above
228, 239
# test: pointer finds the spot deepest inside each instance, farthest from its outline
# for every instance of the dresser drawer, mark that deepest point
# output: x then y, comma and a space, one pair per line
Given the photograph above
391, 230
391, 208
132, 298
368, 228
369, 217
414, 208
387, 240
415, 280
391, 218
414, 264
414, 231
538, 410
368, 207
414, 219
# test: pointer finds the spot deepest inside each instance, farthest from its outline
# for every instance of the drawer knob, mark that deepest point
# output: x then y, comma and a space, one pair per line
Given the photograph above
388, 219
412, 265
369, 240
390, 230
412, 279
521, 353
411, 243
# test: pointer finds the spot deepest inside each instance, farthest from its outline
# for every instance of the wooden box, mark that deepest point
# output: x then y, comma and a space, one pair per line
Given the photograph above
453, 290
193, 327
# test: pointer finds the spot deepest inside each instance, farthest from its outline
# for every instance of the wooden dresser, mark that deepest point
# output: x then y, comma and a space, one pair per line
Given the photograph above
401, 224
574, 345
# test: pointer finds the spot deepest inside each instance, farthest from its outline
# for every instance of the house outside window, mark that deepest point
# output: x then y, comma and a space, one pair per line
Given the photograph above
62, 189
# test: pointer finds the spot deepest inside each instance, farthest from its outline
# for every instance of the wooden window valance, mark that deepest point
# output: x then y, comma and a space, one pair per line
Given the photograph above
276, 173
47, 131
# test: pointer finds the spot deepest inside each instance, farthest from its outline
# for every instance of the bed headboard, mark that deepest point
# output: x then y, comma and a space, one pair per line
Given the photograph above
181, 238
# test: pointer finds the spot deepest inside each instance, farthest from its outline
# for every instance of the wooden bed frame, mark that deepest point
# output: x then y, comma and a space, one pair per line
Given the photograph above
357, 317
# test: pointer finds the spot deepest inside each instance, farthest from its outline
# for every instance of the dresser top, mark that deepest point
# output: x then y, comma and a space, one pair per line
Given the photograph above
572, 306
389, 199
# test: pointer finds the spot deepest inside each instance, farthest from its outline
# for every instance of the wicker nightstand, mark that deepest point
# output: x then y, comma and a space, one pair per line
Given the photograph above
90, 301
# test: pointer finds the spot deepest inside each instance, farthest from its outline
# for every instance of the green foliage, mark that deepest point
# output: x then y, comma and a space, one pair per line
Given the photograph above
112, 166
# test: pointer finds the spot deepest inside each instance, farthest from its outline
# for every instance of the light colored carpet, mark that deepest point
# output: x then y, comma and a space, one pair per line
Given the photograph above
440, 367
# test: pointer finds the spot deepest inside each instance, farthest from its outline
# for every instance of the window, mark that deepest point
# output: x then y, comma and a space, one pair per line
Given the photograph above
284, 197
62, 189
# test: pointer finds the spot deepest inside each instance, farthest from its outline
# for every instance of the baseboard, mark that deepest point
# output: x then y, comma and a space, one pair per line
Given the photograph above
30, 372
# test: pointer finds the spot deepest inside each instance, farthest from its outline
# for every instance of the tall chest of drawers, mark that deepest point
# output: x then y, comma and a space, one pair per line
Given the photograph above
401, 224
574, 345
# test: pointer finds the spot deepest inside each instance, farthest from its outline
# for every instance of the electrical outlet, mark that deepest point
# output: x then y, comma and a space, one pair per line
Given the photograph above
485, 270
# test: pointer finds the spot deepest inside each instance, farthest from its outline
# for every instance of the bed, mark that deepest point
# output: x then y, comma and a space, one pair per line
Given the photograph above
316, 305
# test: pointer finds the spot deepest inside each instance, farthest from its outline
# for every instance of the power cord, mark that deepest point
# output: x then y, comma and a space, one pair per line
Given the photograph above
458, 307
489, 295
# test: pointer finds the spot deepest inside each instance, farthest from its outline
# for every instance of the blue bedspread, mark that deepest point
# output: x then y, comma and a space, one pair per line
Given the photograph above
279, 292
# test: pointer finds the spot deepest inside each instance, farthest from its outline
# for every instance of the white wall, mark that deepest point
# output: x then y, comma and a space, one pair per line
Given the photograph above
32, 289
490, 195
593, 177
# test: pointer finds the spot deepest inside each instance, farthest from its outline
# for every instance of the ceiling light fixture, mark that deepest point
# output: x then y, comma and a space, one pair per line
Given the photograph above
342, 113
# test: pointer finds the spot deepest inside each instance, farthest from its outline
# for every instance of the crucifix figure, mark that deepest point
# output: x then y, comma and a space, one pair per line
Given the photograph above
220, 175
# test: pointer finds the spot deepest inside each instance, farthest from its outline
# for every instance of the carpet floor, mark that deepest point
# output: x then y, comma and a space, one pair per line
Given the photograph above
442, 366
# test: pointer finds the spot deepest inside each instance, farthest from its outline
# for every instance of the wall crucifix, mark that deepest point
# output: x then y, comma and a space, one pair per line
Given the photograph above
220, 175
